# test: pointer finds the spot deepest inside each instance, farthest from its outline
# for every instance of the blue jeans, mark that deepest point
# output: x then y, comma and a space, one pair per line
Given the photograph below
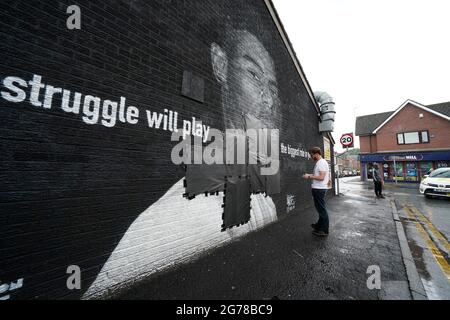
319, 203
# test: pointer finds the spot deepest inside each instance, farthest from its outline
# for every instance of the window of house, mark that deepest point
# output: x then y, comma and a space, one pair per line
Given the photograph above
413, 137
425, 137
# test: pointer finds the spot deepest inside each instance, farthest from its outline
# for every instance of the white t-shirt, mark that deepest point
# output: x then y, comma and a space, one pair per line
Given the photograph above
321, 165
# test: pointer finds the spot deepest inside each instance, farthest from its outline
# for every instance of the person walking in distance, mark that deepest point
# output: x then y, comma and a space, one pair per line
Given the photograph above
377, 181
319, 187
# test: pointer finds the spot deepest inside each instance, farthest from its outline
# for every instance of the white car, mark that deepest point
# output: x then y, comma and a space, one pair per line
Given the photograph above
437, 183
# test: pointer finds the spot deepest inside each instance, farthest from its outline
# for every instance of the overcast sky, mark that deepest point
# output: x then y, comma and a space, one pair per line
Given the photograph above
371, 56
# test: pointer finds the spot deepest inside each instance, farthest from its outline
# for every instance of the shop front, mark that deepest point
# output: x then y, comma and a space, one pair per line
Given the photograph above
404, 167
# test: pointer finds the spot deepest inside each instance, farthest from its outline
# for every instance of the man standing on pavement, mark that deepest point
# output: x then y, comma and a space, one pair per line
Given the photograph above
319, 186
377, 181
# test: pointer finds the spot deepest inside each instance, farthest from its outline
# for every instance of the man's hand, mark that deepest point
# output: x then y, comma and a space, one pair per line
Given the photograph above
306, 176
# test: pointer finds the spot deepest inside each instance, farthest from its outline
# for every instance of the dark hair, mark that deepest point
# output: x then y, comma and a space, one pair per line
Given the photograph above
227, 18
315, 150
217, 21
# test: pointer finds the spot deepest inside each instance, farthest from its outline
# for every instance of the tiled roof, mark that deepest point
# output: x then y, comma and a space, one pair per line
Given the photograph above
365, 125
443, 108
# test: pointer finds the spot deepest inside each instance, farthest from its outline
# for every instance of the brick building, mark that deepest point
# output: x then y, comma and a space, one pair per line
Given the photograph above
347, 162
88, 177
407, 142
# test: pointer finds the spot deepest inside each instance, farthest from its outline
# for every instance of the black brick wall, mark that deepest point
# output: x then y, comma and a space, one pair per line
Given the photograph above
69, 190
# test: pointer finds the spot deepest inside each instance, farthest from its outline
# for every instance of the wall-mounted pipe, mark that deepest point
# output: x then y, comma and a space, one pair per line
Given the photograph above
327, 111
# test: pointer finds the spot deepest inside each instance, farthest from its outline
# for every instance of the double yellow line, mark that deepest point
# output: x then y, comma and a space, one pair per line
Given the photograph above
418, 218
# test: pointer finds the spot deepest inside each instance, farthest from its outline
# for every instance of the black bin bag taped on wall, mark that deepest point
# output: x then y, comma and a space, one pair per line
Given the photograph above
236, 202
202, 178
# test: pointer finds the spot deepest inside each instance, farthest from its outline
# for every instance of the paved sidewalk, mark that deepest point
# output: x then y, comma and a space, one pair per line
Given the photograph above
286, 261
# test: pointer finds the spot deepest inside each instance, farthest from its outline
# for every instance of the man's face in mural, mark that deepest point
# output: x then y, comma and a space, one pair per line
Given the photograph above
247, 75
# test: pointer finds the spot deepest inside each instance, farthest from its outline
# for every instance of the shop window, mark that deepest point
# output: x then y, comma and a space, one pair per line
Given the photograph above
425, 168
386, 171
442, 164
398, 171
411, 171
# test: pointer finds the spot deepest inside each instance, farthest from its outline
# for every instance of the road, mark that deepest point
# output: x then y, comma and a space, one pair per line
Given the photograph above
427, 226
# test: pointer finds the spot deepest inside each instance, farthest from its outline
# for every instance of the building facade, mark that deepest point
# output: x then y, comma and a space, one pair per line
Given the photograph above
408, 142
348, 162
89, 118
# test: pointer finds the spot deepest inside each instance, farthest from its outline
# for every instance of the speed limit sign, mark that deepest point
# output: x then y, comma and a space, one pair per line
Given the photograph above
347, 140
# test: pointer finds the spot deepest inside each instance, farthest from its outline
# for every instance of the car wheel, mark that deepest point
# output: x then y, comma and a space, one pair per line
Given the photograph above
427, 196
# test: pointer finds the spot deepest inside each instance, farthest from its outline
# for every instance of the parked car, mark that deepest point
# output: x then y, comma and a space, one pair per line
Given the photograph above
346, 173
428, 173
436, 184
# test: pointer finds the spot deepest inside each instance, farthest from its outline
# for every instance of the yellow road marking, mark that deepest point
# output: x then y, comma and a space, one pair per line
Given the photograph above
442, 262
432, 227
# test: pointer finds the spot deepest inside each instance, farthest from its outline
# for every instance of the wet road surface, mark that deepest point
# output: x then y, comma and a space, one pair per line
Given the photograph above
427, 226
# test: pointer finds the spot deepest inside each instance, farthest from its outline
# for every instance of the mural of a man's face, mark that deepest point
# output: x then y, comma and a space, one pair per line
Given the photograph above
248, 79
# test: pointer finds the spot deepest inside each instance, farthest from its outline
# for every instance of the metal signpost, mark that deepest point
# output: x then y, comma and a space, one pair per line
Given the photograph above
347, 141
